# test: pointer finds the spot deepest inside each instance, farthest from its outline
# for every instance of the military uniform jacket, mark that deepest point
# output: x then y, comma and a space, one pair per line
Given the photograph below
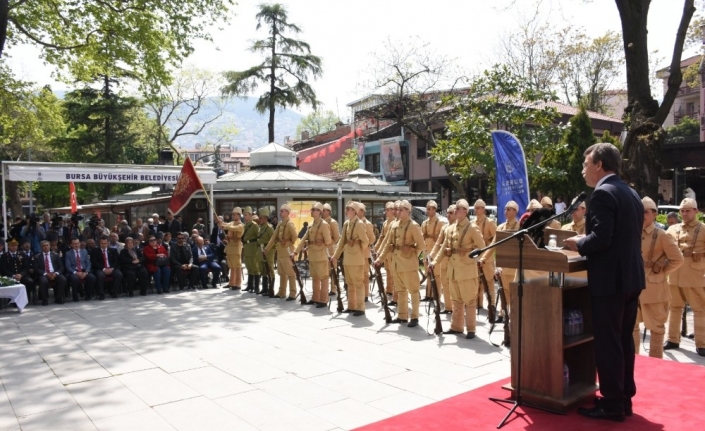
438, 246
578, 227
334, 231
233, 232
383, 235
487, 227
266, 232
317, 240
431, 229
691, 273
284, 237
11, 266
509, 225
403, 244
661, 257
370, 232
249, 239
461, 238
353, 242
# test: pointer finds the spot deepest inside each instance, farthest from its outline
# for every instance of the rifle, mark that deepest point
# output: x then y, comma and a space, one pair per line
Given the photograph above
436, 298
684, 322
336, 284
502, 297
491, 309
298, 279
382, 292
341, 270
268, 273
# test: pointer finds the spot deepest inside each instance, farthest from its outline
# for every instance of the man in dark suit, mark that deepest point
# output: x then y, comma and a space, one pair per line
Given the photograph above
172, 225
612, 245
203, 257
16, 265
182, 263
78, 270
105, 264
49, 269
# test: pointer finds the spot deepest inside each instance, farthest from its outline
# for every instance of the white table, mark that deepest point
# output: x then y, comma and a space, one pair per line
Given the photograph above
17, 294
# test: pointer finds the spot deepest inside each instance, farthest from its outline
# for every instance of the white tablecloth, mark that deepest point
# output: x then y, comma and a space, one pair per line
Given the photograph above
16, 293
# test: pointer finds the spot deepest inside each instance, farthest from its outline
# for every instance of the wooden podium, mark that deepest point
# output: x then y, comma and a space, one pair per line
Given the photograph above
544, 347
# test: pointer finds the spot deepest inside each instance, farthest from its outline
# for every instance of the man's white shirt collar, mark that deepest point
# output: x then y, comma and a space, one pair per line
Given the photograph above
602, 180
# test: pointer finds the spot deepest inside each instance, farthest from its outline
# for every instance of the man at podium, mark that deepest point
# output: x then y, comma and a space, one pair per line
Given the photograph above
612, 245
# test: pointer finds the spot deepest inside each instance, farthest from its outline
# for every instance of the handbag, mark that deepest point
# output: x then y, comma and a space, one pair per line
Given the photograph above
162, 261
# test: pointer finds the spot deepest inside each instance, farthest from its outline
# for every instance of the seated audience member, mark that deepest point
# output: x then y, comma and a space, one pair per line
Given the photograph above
113, 242
203, 257
157, 263
78, 271
16, 265
49, 270
106, 265
182, 263
132, 262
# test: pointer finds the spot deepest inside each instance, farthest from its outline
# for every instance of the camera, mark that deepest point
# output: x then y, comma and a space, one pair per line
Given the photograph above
75, 218
93, 221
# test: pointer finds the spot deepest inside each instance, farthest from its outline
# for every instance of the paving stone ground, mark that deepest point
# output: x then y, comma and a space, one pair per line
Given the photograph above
217, 359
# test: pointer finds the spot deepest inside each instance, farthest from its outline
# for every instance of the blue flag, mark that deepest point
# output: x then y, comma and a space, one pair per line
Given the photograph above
512, 178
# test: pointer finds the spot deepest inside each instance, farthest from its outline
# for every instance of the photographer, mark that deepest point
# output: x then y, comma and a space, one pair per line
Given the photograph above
93, 230
34, 232
73, 231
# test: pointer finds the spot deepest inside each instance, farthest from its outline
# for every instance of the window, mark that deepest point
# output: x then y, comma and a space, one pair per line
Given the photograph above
372, 163
421, 152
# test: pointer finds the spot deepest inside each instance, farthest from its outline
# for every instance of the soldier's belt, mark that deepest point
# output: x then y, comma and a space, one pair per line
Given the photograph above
433, 237
697, 257
250, 241
655, 266
353, 242
452, 251
399, 247
319, 242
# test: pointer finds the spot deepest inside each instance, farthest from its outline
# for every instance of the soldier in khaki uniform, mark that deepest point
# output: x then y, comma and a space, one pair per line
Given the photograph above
317, 241
284, 238
507, 275
687, 284
488, 229
252, 251
441, 273
404, 243
578, 223
266, 232
547, 203
431, 229
353, 242
661, 257
389, 219
334, 234
370, 231
233, 248
461, 238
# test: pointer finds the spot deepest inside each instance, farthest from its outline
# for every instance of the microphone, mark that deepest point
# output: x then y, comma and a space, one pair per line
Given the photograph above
581, 197
475, 253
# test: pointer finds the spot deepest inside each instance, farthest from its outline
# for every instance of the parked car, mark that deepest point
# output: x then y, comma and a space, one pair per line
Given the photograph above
490, 210
665, 209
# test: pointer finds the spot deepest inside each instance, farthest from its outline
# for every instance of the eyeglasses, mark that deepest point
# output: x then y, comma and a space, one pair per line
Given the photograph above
152, 240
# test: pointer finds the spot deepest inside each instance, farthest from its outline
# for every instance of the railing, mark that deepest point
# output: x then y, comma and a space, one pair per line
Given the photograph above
687, 90
679, 115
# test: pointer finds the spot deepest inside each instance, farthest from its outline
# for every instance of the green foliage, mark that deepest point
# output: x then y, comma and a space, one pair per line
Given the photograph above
497, 99
286, 67
614, 140
562, 164
140, 38
347, 162
317, 122
686, 131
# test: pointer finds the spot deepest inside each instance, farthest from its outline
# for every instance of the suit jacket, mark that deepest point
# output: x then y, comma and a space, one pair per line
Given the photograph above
10, 266
214, 234
195, 253
126, 259
180, 255
55, 262
97, 259
70, 261
612, 243
172, 226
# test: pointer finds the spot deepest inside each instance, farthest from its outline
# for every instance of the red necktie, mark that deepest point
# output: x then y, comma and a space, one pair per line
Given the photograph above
78, 262
105, 259
46, 263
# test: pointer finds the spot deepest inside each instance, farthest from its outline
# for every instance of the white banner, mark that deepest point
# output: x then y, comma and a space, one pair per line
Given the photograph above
142, 174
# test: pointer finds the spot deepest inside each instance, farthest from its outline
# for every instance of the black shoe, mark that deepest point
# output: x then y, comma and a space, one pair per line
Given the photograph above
446, 311
331, 294
321, 305
671, 346
413, 323
627, 406
367, 299
392, 303
113, 295
500, 319
290, 299
75, 299
277, 296
45, 302
357, 313
101, 297
159, 292
700, 351
691, 336
452, 332
470, 335
398, 320
257, 278
58, 301
426, 299
131, 294
143, 293
310, 302
599, 412
347, 310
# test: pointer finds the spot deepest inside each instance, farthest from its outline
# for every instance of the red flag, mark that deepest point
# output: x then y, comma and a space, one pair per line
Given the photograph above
187, 185
72, 192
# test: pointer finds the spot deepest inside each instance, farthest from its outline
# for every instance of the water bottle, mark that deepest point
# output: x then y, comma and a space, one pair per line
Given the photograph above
566, 377
552, 242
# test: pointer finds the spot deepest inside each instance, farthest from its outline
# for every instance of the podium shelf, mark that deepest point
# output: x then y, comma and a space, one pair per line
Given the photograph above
576, 340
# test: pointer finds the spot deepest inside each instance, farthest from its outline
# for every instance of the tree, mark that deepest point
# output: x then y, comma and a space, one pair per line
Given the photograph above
285, 69
497, 99
192, 93
644, 116
562, 164
317, 122
688, 130
347, 162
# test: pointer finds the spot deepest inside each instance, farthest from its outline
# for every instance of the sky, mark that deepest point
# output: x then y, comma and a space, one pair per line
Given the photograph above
346, 32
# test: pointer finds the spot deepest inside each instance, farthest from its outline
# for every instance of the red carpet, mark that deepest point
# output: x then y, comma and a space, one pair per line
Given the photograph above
670, 396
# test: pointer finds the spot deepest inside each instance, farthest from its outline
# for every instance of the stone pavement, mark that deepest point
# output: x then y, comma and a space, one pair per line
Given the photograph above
217, 359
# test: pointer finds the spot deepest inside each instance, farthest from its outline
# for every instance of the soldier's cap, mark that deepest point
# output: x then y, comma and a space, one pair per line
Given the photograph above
513, 205
327, 207
263, 212
388, 205
237, 210
432, 204
546, 201
451, 208
405, 204
351, 204
689, 203
317, 206
255, 218
480, 204
286, 207
397, 204
582, 204
649, 203
361, 207
462, 203
533, 205
247, 210
12, 241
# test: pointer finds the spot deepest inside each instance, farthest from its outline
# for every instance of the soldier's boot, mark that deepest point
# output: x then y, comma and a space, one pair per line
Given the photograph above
265, 285
257, 284
250, 279
656, 346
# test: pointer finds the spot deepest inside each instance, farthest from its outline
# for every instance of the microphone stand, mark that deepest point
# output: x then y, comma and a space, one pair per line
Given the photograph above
520, 236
